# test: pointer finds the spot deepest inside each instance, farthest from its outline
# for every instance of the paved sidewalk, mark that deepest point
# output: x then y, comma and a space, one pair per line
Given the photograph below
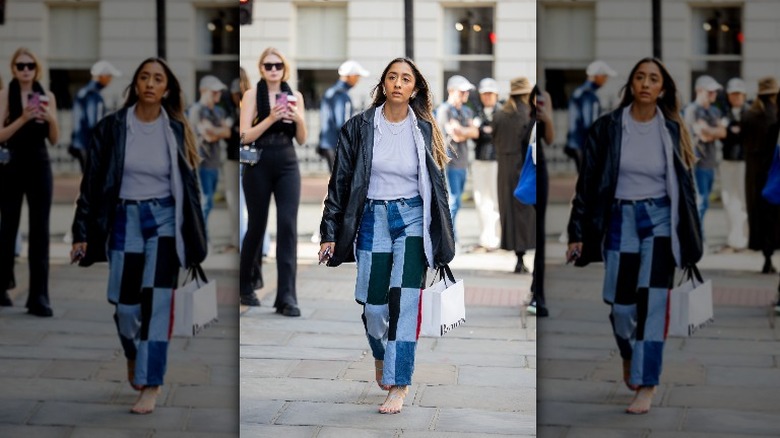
65, 376
721, 382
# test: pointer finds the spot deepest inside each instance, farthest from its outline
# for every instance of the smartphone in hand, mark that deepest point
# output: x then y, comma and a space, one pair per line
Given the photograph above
281, 100
325, 255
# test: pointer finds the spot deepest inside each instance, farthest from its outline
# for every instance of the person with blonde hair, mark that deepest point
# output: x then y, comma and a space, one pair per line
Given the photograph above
28, 114
139, 209
387, 210
635, 209
271, 121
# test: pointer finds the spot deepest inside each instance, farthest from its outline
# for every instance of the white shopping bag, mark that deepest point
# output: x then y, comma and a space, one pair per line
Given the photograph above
194, 304
690, 304
443, 305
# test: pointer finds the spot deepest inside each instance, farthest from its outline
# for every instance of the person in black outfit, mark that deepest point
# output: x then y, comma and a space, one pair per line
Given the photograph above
272, 127
29, 117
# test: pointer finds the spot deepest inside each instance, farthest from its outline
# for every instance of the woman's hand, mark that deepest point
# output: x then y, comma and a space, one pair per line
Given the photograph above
293, 113
78, 251
326, 251
29, 112
278, 112
573, 252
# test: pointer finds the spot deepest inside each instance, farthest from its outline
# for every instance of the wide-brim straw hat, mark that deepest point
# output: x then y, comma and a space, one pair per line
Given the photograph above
768, 85
520, 85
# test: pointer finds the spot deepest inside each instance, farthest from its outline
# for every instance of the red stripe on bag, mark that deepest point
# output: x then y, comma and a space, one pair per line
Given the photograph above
419, 315
173, 307
668, 311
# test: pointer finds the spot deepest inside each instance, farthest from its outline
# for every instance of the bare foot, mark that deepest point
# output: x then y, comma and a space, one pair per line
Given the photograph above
395, 400
131, 375
379, 365
642, 400
146, 400
627, 375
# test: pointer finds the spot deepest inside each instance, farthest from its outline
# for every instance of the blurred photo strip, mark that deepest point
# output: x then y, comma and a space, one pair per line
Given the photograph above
116, 122
397, 162
661, 266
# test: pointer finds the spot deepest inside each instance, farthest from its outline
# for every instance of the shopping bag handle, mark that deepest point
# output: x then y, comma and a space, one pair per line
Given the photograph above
691, 272
195, 273
445, 273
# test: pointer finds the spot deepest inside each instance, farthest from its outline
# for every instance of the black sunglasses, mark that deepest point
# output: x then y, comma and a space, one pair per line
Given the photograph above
21, 65
268, 66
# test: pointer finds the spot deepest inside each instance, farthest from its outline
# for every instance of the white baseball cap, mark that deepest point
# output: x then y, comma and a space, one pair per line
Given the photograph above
104, 68
707, 83
736, 85
352, 68
598, 67
210, 82
488, 85
458, 82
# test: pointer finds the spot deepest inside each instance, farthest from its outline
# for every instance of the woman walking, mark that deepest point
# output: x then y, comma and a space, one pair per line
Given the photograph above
635, 209
139, 208
387, 209
271, 121
28, 115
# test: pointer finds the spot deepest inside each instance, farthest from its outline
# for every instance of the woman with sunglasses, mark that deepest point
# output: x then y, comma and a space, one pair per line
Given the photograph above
29, 115
270, 120
139, 209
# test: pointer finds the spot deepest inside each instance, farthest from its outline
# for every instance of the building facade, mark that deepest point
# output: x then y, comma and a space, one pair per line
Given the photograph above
475, 38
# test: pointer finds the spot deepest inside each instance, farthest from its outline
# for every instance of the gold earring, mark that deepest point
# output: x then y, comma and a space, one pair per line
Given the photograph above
384, 91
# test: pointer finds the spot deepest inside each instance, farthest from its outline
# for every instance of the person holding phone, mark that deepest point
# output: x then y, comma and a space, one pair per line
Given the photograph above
271, 117
29, 115
635, 209
387, 209
139, 209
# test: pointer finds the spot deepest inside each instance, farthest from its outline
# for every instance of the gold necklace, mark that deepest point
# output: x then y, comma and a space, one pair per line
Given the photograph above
390, 125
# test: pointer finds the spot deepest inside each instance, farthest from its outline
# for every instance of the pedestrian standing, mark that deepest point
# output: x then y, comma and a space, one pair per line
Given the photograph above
703, 121
387, 209
732, 168
455, 121
272, 125
484, 169
29, 117
635, 209
139, 209
211, 127
230, 167
336, 108
510, 126
760, 129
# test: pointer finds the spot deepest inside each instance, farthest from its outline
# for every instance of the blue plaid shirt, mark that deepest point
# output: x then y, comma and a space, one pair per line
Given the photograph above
584, 109
88, 108
335, 109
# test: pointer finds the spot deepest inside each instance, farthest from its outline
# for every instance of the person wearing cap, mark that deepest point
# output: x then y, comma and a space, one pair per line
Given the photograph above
703, 121
518, 220
485, 167
455, 122
759, 135
732, 167
88, 108
336, 108
211, 126
585, 108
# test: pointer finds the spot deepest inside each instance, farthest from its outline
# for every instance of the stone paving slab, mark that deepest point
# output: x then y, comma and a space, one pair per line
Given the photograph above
223, 419
319, 369
354, 415
7, 430
261, 367
469, 420
607, 416
507, 399
763, 399
110, 433
497, 376
265, 430
108, 416
263, 352
729, 421
296, 389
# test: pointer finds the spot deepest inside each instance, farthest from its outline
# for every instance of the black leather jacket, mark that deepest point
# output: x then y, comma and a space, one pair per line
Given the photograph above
596, 187
348, 188
100, 186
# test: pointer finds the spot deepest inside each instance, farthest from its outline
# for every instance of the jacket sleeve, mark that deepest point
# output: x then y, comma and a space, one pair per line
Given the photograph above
91, 184
587, 183
339, 185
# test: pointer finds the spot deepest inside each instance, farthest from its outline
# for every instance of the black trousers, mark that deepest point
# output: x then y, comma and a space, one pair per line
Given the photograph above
276, 174
542, 189
30, 178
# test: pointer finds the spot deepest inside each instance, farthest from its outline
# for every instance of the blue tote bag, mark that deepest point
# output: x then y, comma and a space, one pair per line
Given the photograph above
771, 190
525, 191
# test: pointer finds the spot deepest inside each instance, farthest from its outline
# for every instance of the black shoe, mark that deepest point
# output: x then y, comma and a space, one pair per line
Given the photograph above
40, 311
250, 300
289, 310
521, 268
5, 300
542, 312
768, 268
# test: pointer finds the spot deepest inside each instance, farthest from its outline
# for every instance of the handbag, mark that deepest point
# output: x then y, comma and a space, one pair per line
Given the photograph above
195, 304
525, 191
247, 153
5, 154
771, 191
442, 305
690, 304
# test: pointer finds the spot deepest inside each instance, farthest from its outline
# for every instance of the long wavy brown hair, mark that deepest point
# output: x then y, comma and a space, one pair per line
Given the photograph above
669, 103
422, 105
173, 103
